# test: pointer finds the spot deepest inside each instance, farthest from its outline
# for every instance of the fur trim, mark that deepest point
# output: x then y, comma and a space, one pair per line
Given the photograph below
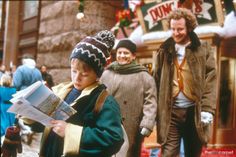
169, 44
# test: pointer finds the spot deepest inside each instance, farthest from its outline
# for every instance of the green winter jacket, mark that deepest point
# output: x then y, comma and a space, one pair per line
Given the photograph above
87, 134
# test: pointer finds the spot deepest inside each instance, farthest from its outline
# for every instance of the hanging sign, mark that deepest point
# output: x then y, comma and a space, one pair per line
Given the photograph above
152, 15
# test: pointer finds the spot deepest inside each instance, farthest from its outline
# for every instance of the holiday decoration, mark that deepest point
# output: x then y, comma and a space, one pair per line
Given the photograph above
126, 18
80, 14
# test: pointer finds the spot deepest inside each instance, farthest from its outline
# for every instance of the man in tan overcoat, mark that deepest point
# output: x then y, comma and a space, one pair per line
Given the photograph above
135, 91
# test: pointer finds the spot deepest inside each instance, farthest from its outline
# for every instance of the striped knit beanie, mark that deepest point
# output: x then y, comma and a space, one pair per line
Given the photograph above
95, 50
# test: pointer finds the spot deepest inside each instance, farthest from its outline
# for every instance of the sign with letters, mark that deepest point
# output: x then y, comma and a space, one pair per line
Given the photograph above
152, 15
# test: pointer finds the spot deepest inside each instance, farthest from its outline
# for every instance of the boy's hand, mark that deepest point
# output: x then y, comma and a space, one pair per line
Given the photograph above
59, 126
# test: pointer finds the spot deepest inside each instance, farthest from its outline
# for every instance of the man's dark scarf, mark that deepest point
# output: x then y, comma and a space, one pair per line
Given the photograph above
131, 68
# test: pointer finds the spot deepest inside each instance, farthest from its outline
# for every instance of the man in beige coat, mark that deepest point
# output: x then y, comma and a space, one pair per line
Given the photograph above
135, 90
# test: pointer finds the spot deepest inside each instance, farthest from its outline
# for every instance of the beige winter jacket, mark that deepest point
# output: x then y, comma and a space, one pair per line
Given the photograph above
136, 95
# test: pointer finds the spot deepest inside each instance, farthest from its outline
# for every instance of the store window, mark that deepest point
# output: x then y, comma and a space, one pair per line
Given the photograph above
30, 9
227, 92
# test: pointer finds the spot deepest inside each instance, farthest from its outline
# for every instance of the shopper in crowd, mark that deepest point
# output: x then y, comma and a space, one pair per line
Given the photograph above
185, 74
12, 70
134, 89
6, 91
26, 74
46, 76
2, 70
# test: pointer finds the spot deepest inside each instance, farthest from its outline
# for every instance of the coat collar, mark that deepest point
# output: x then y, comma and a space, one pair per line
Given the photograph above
87, 91
63, 89
169, 44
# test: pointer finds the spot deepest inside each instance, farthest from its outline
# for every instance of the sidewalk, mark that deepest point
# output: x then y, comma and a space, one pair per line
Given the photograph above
150, 149
32, 149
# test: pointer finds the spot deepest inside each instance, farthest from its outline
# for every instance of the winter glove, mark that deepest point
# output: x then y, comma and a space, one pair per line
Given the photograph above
145, 132
12, 142
206, 117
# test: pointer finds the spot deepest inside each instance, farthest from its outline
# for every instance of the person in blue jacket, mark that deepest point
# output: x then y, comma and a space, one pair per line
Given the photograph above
6, 91
26, 74
86, 134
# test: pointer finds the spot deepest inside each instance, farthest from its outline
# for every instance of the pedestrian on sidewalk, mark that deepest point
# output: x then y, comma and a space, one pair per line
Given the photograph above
86, 134
185, 74
135, 91
46, 76
6, 91
24, 76
27, 73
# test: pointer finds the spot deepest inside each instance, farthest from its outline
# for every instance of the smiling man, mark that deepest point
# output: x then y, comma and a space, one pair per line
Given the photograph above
185, 75
134, 89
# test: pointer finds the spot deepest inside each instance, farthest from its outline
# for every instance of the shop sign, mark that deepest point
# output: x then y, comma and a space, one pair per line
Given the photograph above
152, 15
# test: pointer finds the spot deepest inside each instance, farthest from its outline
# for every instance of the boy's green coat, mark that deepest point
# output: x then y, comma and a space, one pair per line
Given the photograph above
88, 134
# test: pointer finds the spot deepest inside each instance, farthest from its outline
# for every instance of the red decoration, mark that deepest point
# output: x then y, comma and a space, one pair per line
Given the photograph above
123, 15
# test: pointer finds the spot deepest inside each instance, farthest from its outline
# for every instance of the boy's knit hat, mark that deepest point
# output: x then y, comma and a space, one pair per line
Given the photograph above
127, 43
95, 50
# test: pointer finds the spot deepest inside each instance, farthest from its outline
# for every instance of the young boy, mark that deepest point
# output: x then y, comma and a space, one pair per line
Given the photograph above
86, 134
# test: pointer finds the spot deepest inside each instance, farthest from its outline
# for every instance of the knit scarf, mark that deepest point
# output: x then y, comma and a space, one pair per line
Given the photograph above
133, 67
